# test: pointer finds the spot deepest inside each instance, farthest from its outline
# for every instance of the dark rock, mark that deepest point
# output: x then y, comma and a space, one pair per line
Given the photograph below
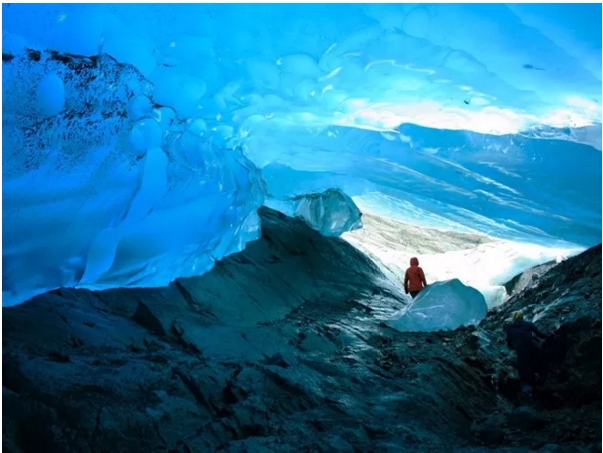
276, 359
145, 318
256, 356
526, 418
553, 448
491, 431
527, 278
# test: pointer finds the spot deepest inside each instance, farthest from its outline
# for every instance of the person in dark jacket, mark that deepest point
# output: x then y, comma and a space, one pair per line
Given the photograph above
414, 278
529, 359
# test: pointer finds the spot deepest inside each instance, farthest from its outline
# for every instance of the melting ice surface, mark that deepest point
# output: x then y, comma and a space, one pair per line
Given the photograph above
139, 140
444, 305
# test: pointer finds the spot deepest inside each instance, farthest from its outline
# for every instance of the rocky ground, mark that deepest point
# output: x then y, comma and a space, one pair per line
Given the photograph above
283, 348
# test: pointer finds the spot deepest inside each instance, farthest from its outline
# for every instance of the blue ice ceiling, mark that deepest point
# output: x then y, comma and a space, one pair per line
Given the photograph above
144, 154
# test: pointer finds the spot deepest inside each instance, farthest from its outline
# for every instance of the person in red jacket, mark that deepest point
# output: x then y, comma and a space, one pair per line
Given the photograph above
414, 279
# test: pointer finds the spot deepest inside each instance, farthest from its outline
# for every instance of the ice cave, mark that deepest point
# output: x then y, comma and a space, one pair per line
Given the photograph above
140, 140
158, 147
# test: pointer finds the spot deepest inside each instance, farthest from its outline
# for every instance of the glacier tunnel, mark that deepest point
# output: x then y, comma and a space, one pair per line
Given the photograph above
152, 151
140, 140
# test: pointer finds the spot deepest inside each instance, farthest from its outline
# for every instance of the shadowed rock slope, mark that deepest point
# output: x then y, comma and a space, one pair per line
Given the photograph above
283, 347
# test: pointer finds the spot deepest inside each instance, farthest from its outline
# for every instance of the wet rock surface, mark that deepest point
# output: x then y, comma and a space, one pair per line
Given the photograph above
528, 277
284, 347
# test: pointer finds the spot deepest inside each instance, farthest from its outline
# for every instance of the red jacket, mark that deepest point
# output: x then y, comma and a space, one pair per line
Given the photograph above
414, 279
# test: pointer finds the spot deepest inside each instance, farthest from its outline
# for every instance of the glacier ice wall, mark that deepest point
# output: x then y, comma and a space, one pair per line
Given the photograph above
101, 189
128, 171
507, 186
